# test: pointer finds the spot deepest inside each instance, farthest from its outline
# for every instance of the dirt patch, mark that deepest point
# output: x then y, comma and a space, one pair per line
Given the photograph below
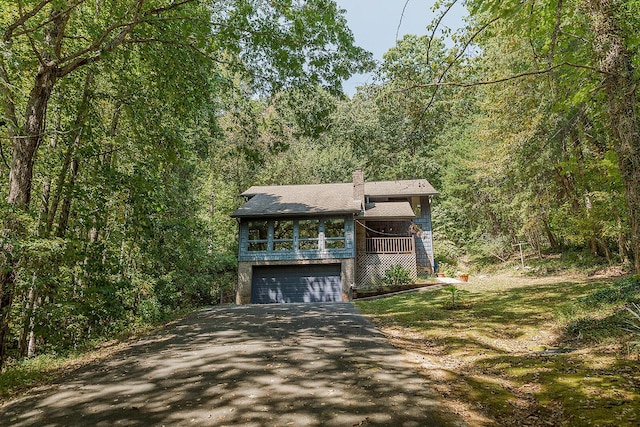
609, 272
454, 377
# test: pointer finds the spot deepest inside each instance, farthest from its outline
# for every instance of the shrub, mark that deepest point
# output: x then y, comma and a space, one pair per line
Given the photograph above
448, 269
397, 275
456, 296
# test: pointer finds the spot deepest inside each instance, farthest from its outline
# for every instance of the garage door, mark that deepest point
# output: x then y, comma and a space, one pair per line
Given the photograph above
305, 283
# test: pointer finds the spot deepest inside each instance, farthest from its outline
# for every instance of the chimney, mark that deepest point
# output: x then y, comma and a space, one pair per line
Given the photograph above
358, 187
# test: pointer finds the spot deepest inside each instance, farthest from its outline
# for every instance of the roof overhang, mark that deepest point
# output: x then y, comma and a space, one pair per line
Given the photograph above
388, 210
292, 214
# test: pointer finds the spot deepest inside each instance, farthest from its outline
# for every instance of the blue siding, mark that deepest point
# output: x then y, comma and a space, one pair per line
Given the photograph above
270, 255
424, 242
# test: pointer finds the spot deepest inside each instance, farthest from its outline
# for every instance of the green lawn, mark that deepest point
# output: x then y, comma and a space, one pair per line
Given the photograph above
494, 361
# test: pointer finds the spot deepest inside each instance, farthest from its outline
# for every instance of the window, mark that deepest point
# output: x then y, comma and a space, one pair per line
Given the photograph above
283, 235
308, 234
334, 233
258, 235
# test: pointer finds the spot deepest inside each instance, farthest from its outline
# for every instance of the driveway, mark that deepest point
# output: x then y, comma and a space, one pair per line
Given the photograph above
268, 365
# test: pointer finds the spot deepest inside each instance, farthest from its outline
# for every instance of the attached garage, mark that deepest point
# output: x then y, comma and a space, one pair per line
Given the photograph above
296, 283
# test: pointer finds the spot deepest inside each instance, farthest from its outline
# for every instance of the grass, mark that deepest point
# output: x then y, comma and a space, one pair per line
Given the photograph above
524, 351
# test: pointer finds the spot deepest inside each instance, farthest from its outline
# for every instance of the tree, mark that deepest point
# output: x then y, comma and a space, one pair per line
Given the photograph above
610, 45
46, 42
568, 40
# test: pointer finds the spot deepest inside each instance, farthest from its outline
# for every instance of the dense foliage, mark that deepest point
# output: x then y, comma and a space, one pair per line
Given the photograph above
518, 124
120, 159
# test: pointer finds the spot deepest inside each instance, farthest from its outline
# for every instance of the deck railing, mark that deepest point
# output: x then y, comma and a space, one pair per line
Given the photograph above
390, 245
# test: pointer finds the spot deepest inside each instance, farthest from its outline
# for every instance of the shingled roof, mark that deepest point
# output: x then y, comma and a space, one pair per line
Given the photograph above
330, 199
315, 199
397, 210
413, 187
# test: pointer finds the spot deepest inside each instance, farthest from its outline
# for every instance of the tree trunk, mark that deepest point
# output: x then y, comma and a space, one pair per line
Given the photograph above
620, 87
65, 210
7, 285
25, 146
553, 243
26, 141
62, 176
28, 325
622, 242
74, 141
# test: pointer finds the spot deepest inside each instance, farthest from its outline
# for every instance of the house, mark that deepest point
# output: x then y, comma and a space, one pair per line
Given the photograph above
313, 243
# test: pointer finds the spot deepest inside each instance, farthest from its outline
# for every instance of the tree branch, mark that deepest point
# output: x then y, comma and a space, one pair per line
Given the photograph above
556, 31
4, 159
47, 21
97, 45
456, 59
8, 34
95, 51
177, 43
437, 25
167, 8
512, 77
7, 99
32, 43
406, 3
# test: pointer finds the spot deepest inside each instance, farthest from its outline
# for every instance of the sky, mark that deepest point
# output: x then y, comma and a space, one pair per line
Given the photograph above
374, 24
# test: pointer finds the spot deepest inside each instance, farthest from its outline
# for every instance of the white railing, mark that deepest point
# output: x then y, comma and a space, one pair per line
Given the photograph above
390, 245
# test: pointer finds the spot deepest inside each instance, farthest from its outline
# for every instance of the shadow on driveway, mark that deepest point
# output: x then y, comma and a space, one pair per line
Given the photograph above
268, 365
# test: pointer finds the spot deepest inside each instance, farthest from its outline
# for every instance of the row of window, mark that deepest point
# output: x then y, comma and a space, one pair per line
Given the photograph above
289, 235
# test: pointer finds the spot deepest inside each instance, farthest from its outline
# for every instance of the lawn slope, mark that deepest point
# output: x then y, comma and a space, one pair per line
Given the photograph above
521, 350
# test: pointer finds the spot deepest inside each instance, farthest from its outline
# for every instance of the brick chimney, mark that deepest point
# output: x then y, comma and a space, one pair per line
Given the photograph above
358, 187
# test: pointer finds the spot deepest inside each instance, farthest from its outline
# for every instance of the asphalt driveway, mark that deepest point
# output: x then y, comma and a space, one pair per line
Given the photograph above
269, 365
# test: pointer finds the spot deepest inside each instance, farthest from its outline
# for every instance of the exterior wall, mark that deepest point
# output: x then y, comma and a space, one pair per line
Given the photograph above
321, 253
245, 275
359, 270
248, 259
424, 239
361, 236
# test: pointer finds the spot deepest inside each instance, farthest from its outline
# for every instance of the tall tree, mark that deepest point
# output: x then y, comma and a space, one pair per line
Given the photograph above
45, 42
610, 45
568, 39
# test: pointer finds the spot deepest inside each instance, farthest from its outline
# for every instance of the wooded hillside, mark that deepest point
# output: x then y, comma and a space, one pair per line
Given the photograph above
129, 129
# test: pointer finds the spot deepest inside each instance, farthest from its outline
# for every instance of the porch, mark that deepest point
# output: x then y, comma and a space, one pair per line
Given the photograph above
382, 253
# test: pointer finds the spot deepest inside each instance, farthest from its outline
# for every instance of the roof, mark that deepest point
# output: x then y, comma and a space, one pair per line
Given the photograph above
396, 210
317, 199
414, 187
331, 199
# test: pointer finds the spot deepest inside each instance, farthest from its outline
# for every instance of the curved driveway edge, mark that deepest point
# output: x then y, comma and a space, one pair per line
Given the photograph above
257, 365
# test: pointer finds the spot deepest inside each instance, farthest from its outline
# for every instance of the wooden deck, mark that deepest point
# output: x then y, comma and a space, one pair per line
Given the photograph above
390, 245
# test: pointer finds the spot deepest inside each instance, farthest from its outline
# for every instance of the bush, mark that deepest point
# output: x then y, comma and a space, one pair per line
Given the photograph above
397, 275
447, 268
